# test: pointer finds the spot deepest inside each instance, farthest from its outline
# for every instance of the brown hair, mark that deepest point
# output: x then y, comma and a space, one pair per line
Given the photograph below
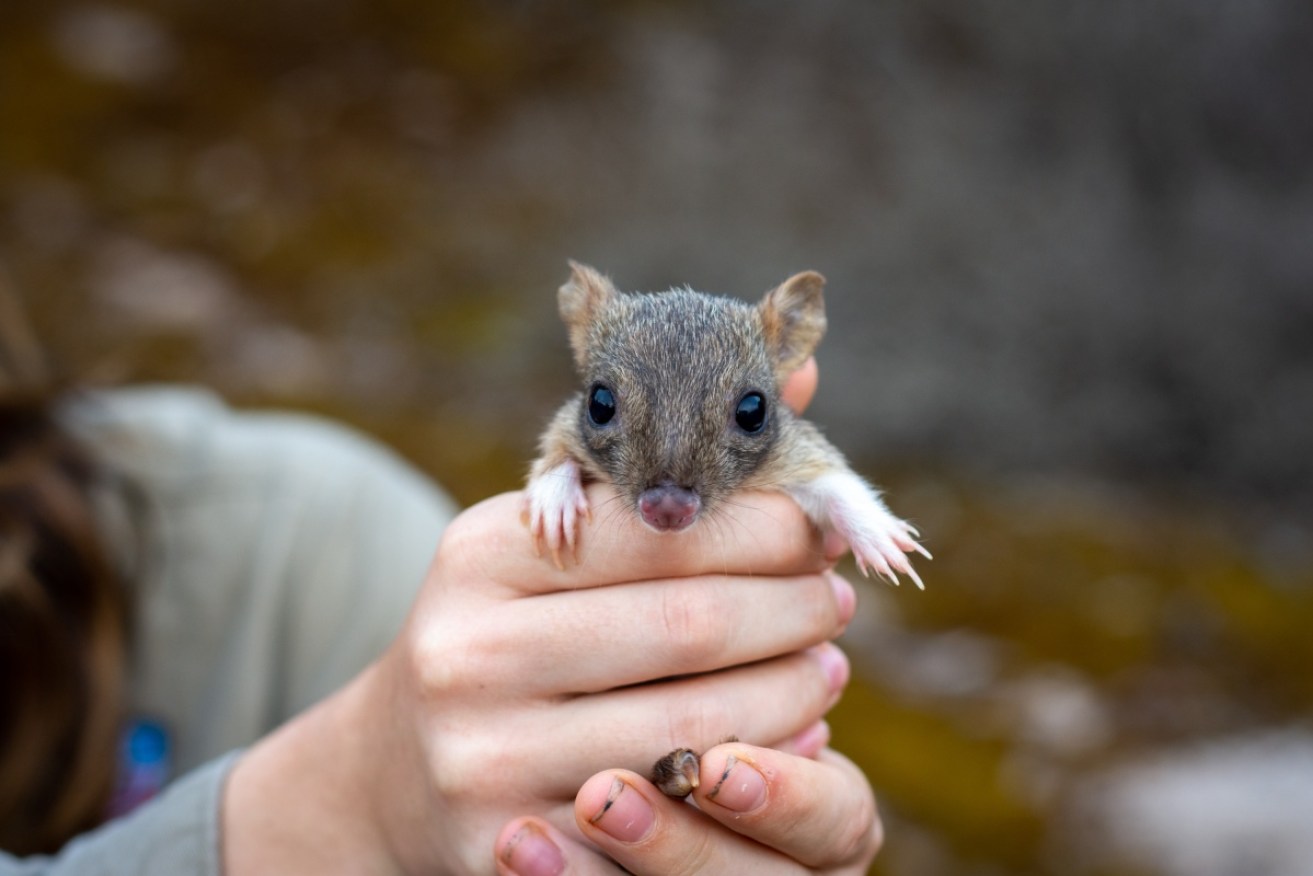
63, 616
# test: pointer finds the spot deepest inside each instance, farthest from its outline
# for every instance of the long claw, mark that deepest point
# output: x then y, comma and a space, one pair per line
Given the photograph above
911, 573
880, 542
571, 541
887, 573
900, 562
557, 501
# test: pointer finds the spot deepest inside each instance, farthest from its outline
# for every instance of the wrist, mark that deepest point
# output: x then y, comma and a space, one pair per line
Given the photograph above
302, 800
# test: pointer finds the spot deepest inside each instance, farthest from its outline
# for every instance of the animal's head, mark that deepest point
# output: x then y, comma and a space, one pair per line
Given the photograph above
681, 399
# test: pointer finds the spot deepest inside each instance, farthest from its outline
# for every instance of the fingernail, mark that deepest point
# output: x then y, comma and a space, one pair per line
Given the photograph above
834, 663
626, 815
845, 598
834, 545
530, 853
740, 787
809, 742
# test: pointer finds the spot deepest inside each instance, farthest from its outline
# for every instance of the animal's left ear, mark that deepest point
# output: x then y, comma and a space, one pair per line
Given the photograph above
793, 320
582, 300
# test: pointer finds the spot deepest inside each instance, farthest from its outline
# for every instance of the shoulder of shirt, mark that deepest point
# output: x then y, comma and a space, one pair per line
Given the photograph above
174, 437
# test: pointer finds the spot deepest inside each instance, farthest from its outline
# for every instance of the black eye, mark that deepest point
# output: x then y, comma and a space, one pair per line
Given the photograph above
601, 405
751, 412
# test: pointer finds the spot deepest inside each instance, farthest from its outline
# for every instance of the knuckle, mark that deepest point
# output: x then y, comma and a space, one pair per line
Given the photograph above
463, 541
817, 611
876, 839
458, 765
695, 855
447, 661
691, 626
451, 771
495, 527
860, 837
696, 722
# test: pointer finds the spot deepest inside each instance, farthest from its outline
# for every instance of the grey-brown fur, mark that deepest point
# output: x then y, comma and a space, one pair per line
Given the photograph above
679, 362
676, 774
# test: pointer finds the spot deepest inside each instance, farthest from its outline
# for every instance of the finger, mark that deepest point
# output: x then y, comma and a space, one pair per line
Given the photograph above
820, 812
809, 743
618, 636
765, 703
532, 847
650, 834
772, 703
756, 534
799, 389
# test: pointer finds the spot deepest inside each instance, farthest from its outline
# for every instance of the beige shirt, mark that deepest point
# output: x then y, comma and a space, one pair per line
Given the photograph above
273, 555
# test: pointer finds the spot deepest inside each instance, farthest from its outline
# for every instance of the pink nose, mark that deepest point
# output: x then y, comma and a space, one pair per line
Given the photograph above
668, 508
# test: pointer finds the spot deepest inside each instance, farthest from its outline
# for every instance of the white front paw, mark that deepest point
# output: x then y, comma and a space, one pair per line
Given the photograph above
880, 542
556, 501
881, 546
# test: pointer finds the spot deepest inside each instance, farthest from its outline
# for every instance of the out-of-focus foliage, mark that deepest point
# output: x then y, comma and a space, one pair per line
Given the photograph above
1072, 630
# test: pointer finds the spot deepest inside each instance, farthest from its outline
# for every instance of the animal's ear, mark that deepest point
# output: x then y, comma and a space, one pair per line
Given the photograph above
582, 299
793, 320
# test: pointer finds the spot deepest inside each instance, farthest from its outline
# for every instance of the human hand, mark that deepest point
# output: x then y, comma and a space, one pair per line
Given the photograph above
522, 680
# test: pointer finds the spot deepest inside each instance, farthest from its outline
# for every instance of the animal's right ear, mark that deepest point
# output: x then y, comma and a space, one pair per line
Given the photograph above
793, 320
582, 299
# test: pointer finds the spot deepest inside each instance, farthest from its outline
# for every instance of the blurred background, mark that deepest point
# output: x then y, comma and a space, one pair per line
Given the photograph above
1070, 261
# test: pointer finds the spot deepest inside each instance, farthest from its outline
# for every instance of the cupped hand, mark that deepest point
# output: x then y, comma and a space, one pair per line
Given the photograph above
514, 681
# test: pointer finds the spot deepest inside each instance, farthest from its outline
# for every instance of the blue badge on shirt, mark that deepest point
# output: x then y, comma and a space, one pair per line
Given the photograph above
145, 755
